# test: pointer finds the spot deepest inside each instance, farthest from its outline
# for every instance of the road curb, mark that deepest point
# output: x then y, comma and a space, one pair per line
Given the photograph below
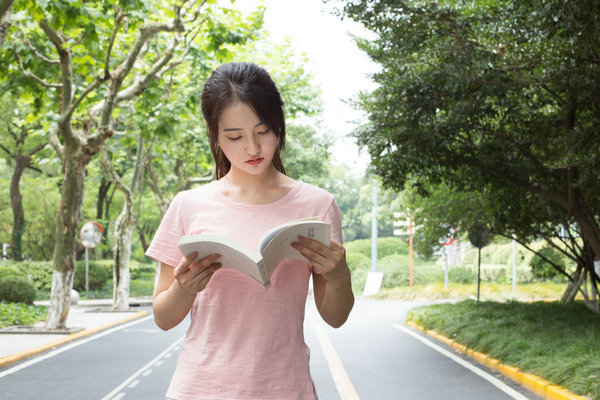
537, 385
4, 361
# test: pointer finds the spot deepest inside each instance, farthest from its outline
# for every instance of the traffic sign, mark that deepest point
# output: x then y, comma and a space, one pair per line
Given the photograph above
91, 234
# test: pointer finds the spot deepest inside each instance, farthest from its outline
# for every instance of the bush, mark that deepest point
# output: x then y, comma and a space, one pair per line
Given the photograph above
502, 254
97, 276
357, 261
141, 288
14, 289
462, 274
386, 246
20, 314
41, 271
142, 271
10, 271
541, 268
360, 246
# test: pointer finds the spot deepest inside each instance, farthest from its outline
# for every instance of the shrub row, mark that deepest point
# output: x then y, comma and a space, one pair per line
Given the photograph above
496, 264
22, 281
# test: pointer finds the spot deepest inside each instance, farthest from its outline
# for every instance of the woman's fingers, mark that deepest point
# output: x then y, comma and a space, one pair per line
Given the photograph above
193, 274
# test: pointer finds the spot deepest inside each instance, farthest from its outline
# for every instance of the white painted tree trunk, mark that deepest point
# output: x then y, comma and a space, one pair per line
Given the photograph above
60, 299
121, 274
124, 228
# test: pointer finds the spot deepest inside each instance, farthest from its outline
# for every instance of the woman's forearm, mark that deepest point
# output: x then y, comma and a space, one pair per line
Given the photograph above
337, 302
172, 306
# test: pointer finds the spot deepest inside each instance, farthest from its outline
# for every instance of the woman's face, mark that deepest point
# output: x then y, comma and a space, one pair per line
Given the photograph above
247, 142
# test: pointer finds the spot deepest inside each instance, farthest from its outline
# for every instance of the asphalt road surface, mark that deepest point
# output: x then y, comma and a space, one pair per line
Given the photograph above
373, 356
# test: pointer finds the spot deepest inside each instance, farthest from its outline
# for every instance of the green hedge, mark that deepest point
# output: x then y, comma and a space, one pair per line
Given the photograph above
10, 271
97, 276
385, 246
40, 271
14, 289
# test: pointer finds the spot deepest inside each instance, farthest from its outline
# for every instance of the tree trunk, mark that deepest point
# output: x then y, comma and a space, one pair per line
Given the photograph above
121, 276
4, 18
574, 285
17, 206
66, 241
124, 230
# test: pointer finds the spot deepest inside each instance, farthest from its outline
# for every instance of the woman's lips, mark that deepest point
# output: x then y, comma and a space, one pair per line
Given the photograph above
255, 161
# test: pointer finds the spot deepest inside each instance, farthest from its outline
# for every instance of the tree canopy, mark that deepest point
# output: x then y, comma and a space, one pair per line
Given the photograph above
498, 99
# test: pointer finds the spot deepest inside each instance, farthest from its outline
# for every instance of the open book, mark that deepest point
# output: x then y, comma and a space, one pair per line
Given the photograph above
273, 247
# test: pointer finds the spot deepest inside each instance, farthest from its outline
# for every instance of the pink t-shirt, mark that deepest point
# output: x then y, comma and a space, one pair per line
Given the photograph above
244, 342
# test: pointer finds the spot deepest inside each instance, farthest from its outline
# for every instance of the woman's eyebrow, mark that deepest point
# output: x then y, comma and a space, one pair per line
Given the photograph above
239, 129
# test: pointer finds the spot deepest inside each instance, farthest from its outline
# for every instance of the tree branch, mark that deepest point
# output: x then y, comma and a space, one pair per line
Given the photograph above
141, 84
31, 75
119, 15
55, 142
99, 81
5, 149
110, 169
37, 148
65, 66
40, 55
147, 31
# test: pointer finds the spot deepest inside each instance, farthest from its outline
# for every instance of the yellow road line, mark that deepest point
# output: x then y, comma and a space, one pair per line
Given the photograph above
537, 385
338, 372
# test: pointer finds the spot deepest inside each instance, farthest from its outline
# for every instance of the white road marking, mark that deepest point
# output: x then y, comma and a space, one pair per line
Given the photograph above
338, 372
69, 347
478, 371
134, 384
115, 392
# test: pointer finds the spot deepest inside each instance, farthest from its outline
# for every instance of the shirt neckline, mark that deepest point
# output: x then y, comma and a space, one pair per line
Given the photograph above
221, 197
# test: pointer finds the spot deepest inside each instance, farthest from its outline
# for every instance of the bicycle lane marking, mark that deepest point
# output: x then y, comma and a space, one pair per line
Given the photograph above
342, 382
131, 382
477, 371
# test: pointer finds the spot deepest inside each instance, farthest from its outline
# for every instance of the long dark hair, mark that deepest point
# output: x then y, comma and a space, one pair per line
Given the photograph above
249, 84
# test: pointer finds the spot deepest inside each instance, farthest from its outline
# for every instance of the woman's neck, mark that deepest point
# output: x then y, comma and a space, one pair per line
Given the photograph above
255, 189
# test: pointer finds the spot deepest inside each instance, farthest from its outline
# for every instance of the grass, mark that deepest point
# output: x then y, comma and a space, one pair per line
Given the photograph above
558, 342
487, 291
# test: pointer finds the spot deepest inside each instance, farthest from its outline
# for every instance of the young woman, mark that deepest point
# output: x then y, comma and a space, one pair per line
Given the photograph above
245, 342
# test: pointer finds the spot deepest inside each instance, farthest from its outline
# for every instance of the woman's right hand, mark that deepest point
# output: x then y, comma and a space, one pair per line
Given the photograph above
193, 275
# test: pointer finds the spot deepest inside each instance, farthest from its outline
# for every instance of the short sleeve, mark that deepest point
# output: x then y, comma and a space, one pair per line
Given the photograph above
164, 245
334, 217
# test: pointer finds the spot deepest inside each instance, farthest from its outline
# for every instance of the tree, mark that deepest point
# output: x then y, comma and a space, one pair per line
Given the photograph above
104, 56
20, 143
495, 98
4, 18
125, 223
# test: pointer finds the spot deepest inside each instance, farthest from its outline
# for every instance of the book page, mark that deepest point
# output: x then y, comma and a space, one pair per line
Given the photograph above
233, 255
267, 237
280, 246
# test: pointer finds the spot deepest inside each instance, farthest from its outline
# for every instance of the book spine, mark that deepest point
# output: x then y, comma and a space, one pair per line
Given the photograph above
263, 272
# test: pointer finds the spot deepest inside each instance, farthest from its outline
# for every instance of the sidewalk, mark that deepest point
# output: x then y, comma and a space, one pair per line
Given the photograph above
85, 318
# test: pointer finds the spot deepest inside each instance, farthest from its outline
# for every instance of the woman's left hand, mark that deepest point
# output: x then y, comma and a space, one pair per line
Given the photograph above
329, 262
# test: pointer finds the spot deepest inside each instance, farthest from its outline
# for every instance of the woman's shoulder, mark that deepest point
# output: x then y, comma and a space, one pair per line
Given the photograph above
194, 194
316, 192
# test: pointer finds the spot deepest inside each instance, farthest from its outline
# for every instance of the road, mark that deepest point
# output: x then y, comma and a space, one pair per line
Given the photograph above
373, 356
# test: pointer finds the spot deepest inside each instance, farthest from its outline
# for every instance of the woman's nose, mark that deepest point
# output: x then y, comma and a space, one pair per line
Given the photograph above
252, 145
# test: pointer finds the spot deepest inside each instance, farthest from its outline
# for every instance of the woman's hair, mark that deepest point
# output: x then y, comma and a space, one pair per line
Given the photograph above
248, 84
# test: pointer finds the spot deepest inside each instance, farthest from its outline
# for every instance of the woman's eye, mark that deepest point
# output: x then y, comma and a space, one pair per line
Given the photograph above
235, 138
264, 132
